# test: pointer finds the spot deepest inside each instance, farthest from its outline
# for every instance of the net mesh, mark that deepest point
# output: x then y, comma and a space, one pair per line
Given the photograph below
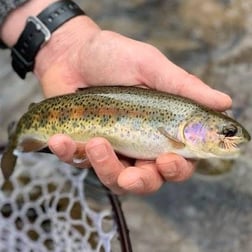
45, 207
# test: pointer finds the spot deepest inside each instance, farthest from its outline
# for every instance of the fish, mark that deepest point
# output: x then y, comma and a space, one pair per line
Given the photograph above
139, 123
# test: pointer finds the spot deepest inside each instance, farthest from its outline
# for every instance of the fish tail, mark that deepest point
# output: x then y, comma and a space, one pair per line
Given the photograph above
8, 162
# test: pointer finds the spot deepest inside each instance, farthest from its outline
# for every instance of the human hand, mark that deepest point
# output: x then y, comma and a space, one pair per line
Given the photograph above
81, 55
108, 58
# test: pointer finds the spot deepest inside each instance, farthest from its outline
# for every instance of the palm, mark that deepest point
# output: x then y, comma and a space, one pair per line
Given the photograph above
112, 59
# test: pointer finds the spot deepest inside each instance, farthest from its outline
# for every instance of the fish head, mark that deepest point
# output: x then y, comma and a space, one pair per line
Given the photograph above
214, 135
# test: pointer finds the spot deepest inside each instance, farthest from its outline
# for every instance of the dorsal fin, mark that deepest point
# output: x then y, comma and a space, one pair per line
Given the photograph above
79, 90
11, 128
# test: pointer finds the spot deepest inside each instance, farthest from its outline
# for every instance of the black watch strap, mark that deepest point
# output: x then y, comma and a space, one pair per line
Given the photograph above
2, 45
38, 31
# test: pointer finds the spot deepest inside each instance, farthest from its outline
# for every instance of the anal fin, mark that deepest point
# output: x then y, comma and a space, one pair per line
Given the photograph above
29, 144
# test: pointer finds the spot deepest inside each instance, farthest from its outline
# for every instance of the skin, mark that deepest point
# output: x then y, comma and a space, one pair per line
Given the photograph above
80, 54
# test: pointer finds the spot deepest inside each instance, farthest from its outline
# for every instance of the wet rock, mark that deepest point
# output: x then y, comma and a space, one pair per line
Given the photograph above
212, 22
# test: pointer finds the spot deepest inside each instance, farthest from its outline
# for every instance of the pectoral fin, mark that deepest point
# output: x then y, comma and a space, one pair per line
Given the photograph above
177, 144
214, 166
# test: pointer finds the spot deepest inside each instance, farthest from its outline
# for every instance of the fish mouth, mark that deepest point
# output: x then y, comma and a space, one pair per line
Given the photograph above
232, 143
231, 146
229, 154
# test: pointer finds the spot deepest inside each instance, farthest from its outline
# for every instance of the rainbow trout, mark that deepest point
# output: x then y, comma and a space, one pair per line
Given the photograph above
139, 123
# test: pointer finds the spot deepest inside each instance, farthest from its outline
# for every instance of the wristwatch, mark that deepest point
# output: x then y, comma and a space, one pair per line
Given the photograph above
38, 31
2, 45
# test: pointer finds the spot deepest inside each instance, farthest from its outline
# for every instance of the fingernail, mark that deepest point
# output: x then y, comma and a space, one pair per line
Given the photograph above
169, 170
59, 149
130, 181
97, 152
136, 186
227, 98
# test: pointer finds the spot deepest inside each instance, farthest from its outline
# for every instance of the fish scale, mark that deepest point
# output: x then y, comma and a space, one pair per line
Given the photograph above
139, 123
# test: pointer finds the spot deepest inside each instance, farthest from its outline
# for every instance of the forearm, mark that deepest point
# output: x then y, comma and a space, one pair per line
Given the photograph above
6, 6
61, 39
14, 23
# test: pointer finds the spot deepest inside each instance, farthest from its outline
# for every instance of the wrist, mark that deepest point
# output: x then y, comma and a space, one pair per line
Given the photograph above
62, 38
76, 34
16, 20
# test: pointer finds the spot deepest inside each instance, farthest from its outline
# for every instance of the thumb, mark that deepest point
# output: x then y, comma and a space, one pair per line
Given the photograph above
58, 80
156, 71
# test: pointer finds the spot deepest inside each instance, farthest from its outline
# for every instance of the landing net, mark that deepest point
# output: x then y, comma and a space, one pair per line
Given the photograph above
45, 207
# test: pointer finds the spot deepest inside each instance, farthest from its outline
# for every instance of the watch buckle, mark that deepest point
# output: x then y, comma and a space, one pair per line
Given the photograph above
40, 26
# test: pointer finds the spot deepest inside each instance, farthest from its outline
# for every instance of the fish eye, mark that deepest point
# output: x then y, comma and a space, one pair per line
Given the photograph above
229, 130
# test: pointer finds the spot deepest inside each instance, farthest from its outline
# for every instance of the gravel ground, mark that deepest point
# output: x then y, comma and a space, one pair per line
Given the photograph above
203, 214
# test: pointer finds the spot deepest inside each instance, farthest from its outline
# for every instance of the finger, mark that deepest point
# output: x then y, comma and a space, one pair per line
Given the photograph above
105, 163
174, 167
63, 147
69, 151
140, 179
158, 72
